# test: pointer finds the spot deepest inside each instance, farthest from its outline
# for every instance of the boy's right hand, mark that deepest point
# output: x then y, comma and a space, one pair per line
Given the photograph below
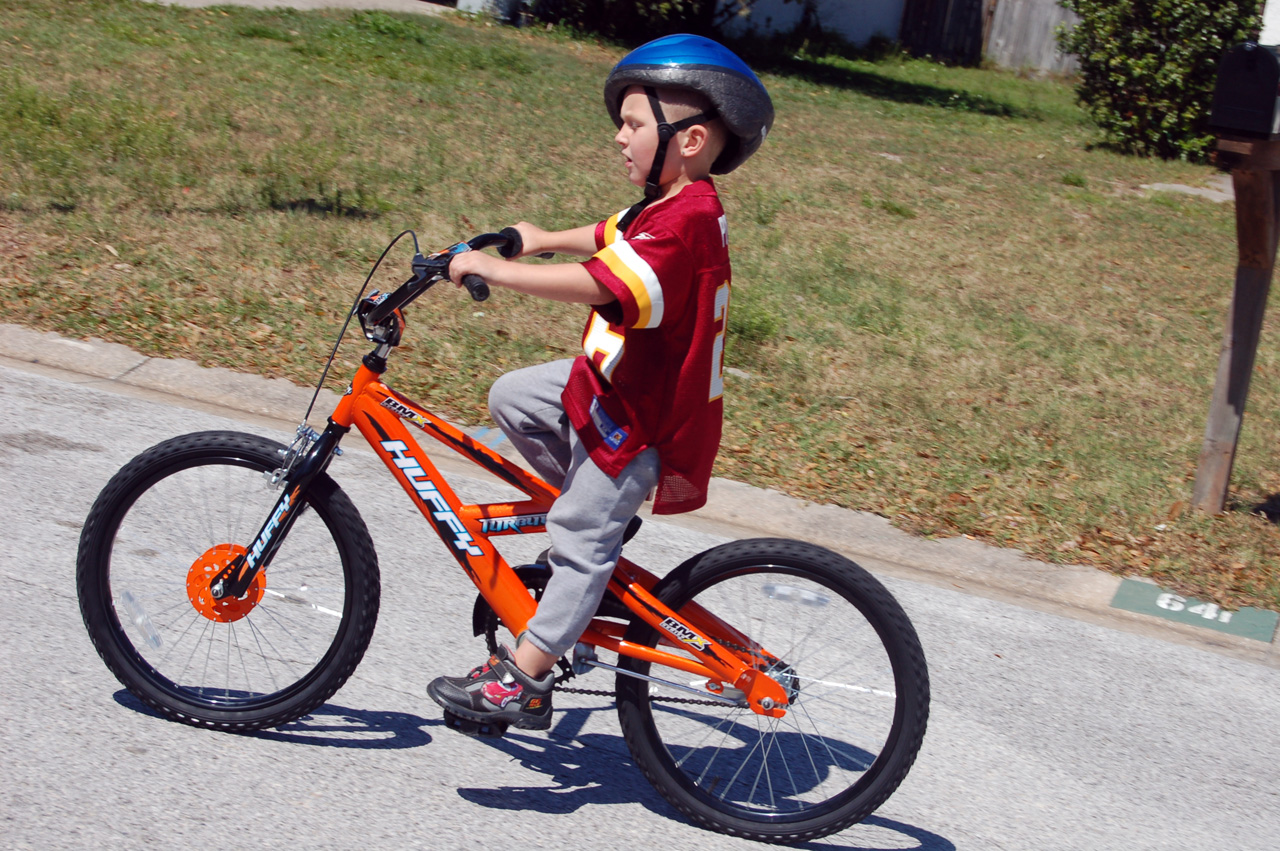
578, 242
532, 238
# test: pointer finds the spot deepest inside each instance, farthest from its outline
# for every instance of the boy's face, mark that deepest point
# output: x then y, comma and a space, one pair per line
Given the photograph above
638, 135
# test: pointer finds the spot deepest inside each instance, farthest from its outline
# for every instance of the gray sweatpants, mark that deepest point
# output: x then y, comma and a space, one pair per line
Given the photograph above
586, 522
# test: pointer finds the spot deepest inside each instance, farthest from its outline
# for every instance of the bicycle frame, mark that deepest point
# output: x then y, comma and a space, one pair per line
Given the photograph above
380, 414
215, 625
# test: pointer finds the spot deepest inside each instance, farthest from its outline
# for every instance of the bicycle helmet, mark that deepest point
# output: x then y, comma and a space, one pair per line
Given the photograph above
737, 96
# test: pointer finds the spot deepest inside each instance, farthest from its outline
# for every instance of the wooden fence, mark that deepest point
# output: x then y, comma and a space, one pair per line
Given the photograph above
1023, 35
1010, 33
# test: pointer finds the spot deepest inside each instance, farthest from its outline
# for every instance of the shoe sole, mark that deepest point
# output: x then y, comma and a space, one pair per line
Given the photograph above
520, 720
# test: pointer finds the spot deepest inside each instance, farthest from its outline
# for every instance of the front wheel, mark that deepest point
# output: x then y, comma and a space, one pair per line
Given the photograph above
176, 515
854, 671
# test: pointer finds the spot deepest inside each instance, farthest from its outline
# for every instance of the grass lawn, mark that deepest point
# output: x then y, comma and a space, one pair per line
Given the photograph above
949, 308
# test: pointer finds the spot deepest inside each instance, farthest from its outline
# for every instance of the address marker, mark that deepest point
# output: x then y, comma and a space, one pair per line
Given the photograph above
1148, 599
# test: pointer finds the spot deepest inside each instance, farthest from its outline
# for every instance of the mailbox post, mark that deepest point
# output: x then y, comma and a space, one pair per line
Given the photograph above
1246, 116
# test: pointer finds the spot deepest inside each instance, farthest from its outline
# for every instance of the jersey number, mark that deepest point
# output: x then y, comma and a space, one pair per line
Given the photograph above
717, 348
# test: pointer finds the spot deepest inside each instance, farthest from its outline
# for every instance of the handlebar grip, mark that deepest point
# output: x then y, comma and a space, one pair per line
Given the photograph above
515, 243
476, 286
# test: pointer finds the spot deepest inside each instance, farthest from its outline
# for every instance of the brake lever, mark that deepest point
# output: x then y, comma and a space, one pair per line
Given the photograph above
426, 271
428, 267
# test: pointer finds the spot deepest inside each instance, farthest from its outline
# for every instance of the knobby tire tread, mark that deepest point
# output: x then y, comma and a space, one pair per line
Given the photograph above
837, 573
350, 535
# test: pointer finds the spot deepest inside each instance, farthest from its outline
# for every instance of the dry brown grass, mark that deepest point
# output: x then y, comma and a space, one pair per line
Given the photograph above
949, 308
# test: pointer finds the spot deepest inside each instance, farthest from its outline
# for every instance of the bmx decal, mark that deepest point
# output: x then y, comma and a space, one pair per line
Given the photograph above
683, 634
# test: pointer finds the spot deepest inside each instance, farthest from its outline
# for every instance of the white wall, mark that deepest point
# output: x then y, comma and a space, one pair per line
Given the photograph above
500, 8
1270, 23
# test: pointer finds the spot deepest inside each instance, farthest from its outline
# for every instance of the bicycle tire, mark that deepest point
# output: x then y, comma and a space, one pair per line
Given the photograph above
178, 508
849, 656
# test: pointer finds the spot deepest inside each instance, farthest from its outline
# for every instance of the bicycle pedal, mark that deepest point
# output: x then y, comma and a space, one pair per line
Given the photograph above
473, 728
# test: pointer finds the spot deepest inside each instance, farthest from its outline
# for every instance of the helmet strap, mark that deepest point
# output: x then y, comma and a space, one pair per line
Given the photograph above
666, 132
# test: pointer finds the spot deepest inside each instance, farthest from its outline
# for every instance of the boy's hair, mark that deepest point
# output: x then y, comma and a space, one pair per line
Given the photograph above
679, 104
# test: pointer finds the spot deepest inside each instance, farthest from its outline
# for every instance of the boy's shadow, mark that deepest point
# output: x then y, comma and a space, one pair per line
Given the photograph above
596, 769
588, 768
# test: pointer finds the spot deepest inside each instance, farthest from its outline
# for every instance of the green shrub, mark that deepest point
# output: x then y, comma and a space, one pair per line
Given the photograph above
1148, 67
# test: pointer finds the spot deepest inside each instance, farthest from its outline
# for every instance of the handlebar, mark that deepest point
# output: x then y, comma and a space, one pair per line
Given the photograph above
429, 270
476, 286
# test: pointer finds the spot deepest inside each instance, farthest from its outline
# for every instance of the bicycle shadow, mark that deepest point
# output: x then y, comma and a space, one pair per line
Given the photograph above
817, 754
331, 726
586, 768
926, 841
596, 769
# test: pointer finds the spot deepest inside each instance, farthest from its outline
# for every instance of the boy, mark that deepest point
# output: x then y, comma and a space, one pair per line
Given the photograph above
640, 411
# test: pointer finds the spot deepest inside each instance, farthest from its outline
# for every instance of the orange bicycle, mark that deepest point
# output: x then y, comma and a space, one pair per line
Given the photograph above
768, 688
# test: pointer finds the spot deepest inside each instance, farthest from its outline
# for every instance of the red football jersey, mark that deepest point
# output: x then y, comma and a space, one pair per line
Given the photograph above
652, 372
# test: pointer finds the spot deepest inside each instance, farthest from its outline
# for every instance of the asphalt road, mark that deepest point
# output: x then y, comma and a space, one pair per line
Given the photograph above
1046, 732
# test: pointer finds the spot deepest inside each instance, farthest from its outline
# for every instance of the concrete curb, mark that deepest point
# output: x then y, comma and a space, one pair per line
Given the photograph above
734, 509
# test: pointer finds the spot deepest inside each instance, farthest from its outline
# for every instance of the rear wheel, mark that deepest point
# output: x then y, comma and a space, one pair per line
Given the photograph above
858, 686
176, 515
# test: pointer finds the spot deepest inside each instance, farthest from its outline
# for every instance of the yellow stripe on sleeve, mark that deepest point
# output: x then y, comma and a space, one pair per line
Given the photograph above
640, 279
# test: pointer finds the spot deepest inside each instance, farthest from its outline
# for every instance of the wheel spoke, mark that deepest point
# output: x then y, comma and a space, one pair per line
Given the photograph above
164, 526
847, 657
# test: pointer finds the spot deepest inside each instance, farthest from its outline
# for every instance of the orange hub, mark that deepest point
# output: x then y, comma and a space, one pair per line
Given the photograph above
201, 574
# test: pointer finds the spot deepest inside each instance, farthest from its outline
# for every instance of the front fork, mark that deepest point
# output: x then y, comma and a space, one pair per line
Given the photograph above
306, 458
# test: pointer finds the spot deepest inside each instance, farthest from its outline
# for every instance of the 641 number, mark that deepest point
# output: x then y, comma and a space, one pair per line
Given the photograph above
1208, 611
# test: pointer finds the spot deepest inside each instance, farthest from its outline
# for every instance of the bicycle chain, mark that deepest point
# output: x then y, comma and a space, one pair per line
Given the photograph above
601, 693
558, 685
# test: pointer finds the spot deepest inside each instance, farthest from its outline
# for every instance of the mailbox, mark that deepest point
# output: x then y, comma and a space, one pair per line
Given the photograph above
1246, 99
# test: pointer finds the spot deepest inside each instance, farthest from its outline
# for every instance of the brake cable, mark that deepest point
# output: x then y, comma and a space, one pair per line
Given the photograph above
347, 322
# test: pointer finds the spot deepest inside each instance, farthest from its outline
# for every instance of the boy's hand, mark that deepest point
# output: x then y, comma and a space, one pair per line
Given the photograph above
533, 239
568, 282
579, 242
473, 263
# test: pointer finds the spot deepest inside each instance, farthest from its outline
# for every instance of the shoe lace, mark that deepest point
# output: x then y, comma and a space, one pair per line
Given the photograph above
480, 670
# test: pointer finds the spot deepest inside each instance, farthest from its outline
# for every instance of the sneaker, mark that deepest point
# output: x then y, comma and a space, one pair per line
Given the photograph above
497, 692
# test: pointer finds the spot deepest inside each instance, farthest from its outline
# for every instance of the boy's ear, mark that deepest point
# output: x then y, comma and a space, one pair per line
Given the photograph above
695, 140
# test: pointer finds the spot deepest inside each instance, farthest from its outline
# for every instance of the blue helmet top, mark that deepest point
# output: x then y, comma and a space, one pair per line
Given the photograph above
705, 66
